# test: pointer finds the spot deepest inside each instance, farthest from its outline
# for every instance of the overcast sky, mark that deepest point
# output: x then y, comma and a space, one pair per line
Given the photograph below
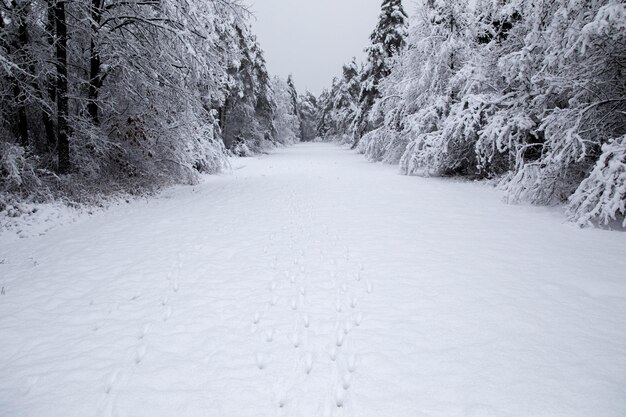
312, 39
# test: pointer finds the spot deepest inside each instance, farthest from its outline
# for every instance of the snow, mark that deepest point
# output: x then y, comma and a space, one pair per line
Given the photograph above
312, 283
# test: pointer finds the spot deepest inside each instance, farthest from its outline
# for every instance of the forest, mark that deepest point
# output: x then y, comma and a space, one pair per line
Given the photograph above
101, 97
528, 94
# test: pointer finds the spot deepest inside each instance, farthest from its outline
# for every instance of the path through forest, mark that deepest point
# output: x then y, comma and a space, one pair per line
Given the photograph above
312, 283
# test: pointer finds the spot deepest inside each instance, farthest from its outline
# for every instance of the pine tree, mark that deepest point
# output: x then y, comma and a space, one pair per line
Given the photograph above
308, 115
388, 39
293, 93
248, 113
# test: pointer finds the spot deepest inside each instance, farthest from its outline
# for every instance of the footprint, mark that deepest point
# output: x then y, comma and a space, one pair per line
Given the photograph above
340, 338
306, 321
340, 397
346, 381
332, 353
353, 302
269, 335
295, 340
352, 363
308, 363
369, 287
257, 318
274, 300
294, 304
140, 353
358, 319
357, 276
281, 399
111, 379
261, 360
144, 331
167, 313
344, 287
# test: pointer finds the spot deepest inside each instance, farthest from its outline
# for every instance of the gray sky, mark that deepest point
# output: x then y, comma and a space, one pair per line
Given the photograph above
312, 39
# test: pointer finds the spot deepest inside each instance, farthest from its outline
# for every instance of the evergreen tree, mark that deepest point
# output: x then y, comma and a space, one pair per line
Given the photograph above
295, 102
388, 39
338, 106
248, 113
286, 120
308, 116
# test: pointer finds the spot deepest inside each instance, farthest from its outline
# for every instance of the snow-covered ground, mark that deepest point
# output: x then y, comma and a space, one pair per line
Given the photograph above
312, 283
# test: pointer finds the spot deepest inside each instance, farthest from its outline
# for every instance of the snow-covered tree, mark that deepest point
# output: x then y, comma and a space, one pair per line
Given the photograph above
529, 92
120, 95
248, 113
388, 39
286, 119
308, 116
338, 107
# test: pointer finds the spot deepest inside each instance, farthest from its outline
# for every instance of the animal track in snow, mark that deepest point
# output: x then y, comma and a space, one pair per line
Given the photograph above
340, 397
261, 360
257, 318
306, 321
274, 300
352, 363
340, 337
308, 362
338, 306
111, 379
167, 313
332, 353
346, 381
295, 340
269, 335
144, 331
140, 353
358, 319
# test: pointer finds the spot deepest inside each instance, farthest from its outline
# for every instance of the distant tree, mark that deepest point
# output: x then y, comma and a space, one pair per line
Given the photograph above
286, 120
295, 100
308, 116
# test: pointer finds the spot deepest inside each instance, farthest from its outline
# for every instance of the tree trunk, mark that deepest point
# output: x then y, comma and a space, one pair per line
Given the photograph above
63, 145
50, 81
95, 78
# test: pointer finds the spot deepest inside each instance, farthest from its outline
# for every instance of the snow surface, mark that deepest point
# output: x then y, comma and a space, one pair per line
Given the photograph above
312, 283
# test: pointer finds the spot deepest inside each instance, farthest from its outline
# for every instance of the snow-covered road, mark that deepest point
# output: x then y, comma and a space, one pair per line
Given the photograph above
312, 283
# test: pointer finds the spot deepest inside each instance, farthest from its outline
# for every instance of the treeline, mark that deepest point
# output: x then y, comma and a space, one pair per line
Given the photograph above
530, 93
130, 95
